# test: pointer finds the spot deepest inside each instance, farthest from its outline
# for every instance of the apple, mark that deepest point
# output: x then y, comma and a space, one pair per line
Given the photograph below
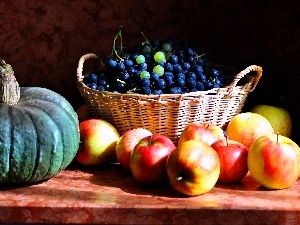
274, 161
233, 160
279, 118
193, 167
247, 127
98, 139
207, 132
83, 113
148, 159
126, 144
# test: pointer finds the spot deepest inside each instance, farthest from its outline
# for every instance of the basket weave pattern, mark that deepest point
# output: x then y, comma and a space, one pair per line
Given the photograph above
168, 114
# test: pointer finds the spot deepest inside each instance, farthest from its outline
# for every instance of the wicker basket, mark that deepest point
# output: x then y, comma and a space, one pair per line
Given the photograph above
168, 114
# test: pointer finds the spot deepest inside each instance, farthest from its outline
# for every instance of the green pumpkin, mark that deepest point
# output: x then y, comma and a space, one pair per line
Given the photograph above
39, 131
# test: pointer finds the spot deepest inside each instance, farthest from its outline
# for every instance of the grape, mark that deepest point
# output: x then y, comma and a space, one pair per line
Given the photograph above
111, 63
128, 63
168, 67
200, 86
145, 74
167, 47
93, 78
175, 90
191, 75
157, 92
146, 90
161, 84
101, 88
154, 76
121, 66
186, 66
159, 57
102, 83
173, 59
143, 66
159, 70
198, 69
145, 82
191, 83
177, 68
154, 43
93, 86
147, 50
140, 59
180, 82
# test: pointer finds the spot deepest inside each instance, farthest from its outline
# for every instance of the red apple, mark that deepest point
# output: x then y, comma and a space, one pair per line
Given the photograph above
274, 161
126, 144
233, 160
98, 140
193, 167
148, 159
206, 132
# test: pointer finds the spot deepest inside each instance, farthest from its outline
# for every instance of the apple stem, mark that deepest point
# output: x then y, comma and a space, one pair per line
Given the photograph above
277, 137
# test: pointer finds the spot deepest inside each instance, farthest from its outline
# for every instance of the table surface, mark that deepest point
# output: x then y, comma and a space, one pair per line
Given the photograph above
110, 195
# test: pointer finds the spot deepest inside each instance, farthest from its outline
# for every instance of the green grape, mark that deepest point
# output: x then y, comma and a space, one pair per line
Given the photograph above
159, 57
145, 74
167, 47
140, 59
159, 70
147, 50
168, 54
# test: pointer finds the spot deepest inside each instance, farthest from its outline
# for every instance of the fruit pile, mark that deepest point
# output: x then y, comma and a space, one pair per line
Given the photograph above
158, 67
204, 155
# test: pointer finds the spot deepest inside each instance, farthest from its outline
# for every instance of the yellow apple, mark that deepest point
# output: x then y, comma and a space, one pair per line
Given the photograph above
279, 118
98, 139
247, 127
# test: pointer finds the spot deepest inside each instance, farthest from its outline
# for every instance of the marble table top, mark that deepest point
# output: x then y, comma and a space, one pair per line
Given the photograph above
110, 195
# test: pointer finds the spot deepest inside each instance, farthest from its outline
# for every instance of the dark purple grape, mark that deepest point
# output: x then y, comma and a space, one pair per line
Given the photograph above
157, 92
101, 88
190, 83
200, 86
177, 68
186, 66
160, 84
175, 90
173, 59
146, 90
145, 82
93, 86
154, 76
168, 67
180, 82
128, 63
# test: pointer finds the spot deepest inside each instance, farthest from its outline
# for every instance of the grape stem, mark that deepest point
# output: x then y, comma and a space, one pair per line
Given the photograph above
114, 51
148, 42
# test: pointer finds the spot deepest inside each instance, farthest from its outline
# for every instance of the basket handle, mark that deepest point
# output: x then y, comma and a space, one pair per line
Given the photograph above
82, 59
254, 79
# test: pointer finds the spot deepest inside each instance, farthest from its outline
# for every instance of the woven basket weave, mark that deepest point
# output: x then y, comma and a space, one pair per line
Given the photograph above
168, 114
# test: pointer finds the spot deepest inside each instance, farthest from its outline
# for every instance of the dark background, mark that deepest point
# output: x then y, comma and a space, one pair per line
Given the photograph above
43, 40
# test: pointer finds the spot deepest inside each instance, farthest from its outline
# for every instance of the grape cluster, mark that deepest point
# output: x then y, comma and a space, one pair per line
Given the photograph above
158, 67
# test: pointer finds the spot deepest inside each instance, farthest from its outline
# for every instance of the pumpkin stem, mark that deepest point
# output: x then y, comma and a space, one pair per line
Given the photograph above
9, 87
